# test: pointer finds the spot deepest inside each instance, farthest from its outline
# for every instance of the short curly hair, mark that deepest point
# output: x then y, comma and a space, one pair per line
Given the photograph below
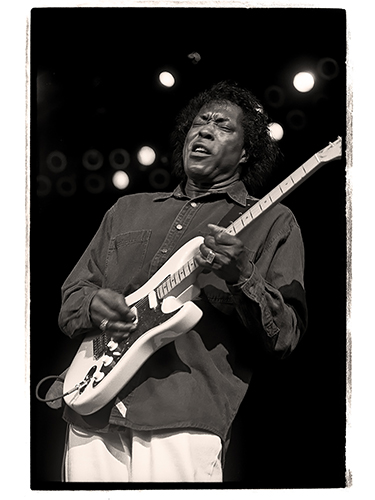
261, 149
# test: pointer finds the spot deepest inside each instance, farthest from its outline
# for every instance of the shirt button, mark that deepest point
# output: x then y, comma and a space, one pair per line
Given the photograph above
193, 204
179, 227
164, 250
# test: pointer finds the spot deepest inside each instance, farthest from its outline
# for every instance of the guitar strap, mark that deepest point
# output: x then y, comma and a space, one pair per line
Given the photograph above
235, 212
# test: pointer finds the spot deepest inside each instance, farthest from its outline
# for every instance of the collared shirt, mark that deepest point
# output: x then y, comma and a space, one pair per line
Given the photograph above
199, 380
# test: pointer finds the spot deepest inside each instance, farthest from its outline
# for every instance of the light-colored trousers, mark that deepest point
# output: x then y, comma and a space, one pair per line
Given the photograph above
142, 456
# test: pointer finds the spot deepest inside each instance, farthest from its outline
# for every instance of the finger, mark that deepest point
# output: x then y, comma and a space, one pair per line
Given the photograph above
120, 326
116, 302
202, 261
205, 251
111, 306
220, 236
222, 253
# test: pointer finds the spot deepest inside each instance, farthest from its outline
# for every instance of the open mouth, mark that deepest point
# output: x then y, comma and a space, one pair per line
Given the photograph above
200, 150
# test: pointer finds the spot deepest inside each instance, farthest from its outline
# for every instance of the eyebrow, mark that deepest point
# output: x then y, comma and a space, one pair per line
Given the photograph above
218, 118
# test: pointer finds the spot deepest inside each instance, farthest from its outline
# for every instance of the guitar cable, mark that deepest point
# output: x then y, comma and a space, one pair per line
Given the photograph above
81, 385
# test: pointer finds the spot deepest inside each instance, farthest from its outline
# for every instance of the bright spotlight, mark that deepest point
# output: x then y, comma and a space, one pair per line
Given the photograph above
166, 79
303, 81
120, 179
146, 156
276, 131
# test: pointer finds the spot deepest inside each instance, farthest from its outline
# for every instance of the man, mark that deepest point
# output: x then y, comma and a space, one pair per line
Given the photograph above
172, 420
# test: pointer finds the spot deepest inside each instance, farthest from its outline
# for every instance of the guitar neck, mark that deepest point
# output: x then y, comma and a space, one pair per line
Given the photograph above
278, 193
331, 152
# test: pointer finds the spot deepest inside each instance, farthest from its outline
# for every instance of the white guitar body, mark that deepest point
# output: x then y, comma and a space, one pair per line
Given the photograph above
171, 317
163, 307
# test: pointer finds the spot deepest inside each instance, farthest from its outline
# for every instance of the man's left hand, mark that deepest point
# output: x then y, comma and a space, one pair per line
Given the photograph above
229, 260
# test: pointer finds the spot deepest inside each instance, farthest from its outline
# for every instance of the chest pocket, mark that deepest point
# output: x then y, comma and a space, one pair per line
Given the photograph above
125, 259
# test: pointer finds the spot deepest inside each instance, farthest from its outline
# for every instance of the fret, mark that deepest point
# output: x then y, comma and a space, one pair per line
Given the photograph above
255, 210
192, 265
297, 176
168, 285
286, 184
181, 273
186, 269
173, 281
159, 292
237, 226
279, 192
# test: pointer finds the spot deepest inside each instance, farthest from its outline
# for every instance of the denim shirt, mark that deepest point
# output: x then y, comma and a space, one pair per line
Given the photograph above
199, 380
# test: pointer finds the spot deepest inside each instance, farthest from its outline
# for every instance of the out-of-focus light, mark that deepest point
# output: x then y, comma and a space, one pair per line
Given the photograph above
94, 183
296, 119
120, 179
276, 131
275, 96
44, 185
56, 161
159, 178
166, 79
119, 158
303, 81
92, 159
194, 57
146, 156
328, 68
66, 186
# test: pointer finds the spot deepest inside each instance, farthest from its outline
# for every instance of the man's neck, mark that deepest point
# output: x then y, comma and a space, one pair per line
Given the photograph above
193, 189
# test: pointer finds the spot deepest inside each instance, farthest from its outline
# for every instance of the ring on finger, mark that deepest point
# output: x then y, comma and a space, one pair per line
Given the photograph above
103, 324
210, 257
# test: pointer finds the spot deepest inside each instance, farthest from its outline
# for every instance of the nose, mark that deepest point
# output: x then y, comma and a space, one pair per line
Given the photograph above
206, 131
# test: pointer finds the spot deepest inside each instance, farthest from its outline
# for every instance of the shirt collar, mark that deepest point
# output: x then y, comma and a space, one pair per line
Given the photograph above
237, 192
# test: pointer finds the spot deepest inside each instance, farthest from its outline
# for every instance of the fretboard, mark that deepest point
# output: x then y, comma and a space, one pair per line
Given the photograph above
331, 152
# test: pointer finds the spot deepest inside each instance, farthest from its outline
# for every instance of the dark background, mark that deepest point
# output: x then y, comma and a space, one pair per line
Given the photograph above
94, 86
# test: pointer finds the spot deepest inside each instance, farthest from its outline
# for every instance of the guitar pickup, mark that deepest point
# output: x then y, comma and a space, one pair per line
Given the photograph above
152, 300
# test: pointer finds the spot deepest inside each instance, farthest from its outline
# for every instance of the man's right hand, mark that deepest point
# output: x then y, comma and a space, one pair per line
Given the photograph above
111, 306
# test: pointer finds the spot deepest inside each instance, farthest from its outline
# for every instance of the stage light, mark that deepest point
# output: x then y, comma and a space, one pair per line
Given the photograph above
303, 81
159, 178
296, 119
66, 186
166, 79
119, 159
56, 161
274, 96
146, 156
328, 68
44, 185
94, 183
92, 159
276, 131
120, 179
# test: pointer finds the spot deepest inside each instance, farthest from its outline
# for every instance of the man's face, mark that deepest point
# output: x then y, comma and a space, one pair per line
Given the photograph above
213, 149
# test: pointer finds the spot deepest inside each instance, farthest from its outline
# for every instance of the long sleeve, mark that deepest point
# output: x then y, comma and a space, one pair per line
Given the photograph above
273, 297
84, 281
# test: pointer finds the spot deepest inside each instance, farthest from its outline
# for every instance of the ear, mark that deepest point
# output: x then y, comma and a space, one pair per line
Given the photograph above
244, 157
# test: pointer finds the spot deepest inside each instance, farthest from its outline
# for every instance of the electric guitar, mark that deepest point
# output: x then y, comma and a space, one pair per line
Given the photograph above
163, 307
